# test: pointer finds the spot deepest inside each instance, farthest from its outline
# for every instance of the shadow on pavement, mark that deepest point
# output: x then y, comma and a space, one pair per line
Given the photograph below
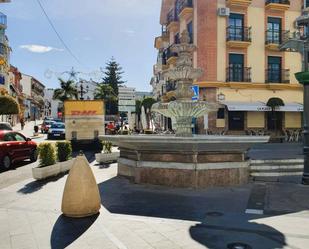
67, 230
15, 166
37, 185
120, 196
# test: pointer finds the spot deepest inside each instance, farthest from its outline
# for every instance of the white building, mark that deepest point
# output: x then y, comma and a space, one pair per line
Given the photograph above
51, 105
126, 99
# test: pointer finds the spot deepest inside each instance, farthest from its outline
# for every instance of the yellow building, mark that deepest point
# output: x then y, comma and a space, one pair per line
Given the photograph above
4, 55
238, 47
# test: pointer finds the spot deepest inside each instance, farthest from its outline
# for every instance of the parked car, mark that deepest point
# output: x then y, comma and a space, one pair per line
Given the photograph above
46, 125
5, 126
57, 130
16, 147
58, 120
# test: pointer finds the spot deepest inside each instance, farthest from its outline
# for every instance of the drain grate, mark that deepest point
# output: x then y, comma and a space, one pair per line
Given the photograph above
238, 245
214, 214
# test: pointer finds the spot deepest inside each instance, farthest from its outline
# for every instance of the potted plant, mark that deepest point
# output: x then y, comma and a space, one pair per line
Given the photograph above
107, 155
48, 154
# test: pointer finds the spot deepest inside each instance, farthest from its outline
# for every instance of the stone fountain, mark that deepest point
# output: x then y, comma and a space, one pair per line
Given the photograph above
184, 160
183, 109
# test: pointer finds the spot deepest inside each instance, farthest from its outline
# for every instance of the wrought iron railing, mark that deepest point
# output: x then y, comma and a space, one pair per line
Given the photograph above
172, 17
170, 86
277, 76
238, 73
236, 33
278, 1
182, 4
274, 36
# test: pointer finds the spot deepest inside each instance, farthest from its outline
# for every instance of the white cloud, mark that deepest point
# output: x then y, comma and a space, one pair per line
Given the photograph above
129, 32
39, 48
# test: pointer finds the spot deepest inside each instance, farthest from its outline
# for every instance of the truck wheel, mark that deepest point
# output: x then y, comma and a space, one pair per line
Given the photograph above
6, 162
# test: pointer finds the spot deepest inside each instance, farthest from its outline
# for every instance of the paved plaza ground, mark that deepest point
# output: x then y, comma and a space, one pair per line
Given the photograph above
144, 217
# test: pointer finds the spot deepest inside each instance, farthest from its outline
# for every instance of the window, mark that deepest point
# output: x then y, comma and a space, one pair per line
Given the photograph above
221, 113
273, 30
274, 69
19, 137
9, 137
236, 27
236, 67
177, 39
190, 30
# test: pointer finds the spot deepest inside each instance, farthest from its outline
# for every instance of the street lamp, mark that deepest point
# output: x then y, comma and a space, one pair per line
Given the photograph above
300, 42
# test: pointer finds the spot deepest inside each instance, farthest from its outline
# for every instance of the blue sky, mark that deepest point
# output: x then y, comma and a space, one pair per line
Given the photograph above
95, 30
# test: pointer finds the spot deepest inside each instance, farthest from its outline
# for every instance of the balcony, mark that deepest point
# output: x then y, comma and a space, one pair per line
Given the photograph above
170, 86
185, 9
160, 40
278, 5
274, 39
3, 51
171, 57
2, 80
3, 21
277, 76
238, 3
238, 37
172, 21
237, 73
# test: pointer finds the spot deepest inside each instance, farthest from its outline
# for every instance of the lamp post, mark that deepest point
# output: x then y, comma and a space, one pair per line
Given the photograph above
300, 42
82, 90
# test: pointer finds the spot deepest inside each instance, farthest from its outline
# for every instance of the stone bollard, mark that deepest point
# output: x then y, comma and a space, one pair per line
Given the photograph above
81, 196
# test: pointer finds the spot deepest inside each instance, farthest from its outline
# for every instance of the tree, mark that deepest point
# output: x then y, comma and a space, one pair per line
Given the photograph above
147, 103
138, 111
67, 91
274, 103
105, 92
113, 77
8, 105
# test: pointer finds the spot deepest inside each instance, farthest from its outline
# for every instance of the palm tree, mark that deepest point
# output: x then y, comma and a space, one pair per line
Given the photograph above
147, 103
66, 91
106, 93
274, 103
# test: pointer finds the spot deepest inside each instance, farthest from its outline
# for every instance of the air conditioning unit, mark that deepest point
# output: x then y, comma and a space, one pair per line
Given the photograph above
223, 11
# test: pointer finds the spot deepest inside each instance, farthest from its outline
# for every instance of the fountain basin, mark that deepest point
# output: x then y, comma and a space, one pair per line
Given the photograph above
199, 161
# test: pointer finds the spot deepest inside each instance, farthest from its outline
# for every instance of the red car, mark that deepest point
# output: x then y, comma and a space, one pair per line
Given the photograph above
16, 147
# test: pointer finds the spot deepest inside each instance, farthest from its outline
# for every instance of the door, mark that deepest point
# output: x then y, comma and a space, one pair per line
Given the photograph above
236, 121
236, 67
274, 121
236, 27
11, 146
22, 146
274, 30
274, 69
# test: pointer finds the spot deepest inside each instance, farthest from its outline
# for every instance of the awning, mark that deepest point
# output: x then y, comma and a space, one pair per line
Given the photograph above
260, 106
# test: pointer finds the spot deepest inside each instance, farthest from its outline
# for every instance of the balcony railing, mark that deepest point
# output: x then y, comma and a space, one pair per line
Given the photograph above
274, 36
3, 20
170, 86
172, 17
234, 33
238, 73
182, 4
277, 1
277, 76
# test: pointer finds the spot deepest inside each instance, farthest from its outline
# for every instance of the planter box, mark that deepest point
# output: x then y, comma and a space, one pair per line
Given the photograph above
41, 173
105, 158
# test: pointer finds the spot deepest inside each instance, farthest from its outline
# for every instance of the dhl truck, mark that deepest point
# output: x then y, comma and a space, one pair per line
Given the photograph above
84, 121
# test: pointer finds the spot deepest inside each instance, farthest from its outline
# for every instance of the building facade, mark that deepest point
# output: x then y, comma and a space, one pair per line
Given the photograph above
34, 97
238, 47
4, 56
51, 106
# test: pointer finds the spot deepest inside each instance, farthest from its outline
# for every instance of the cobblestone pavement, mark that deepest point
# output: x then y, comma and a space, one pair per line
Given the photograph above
152, 217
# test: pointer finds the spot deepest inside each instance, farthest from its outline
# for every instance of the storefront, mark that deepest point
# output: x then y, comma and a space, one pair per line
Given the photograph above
242, 116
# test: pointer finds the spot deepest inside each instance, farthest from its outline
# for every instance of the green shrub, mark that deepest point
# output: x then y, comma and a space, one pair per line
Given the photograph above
107, 147
47, 154
64, 151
